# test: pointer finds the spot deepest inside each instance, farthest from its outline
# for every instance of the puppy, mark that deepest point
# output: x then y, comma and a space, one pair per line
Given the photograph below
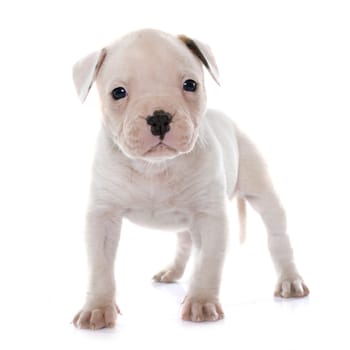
165, 162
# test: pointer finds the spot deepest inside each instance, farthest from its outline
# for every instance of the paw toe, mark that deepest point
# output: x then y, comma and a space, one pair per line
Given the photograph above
97, 320
83, 320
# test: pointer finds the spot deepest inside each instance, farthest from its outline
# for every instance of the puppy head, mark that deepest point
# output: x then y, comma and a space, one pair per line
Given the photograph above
151, 87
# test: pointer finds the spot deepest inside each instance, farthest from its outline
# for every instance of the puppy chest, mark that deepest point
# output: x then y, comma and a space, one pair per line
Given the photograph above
159, 202
159, 218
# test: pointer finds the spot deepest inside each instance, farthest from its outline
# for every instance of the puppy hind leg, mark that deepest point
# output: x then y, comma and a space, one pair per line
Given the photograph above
176, 268
290, 283
255, 185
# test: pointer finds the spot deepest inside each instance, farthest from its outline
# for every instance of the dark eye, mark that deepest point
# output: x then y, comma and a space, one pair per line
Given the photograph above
190, 85
119, 93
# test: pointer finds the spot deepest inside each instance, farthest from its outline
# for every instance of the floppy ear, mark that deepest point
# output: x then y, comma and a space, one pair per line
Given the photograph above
203, 52
85, 72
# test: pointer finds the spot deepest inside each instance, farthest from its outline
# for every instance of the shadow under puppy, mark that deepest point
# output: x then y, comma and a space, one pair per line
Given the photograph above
164, 161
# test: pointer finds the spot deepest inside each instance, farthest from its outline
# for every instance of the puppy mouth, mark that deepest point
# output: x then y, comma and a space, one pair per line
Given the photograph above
160, 150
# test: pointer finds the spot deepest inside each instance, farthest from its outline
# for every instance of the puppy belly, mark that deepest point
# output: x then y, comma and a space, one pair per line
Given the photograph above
172, 220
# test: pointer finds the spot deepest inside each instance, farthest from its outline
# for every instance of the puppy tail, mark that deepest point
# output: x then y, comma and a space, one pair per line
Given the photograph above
242, 215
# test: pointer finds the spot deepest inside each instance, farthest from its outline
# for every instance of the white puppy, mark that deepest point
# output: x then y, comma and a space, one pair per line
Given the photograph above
165, 162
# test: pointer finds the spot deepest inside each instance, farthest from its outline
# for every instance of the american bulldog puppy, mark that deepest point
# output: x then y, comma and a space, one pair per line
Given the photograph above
165, 161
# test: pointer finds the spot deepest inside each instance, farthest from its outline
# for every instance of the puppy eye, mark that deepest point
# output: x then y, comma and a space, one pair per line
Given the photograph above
190, 85
119, 93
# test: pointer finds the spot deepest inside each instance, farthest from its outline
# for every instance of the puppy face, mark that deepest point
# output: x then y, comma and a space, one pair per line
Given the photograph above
152, 91
152, 94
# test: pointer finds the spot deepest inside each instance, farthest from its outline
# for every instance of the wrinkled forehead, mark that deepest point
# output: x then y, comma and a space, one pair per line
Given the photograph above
149, 55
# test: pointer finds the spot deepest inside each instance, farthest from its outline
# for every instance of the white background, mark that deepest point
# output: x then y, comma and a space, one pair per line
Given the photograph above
285, 67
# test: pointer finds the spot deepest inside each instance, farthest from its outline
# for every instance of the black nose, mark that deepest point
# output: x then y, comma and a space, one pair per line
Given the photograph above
160, 123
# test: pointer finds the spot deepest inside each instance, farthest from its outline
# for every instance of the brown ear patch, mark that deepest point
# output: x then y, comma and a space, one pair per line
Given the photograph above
194, 49
100, 61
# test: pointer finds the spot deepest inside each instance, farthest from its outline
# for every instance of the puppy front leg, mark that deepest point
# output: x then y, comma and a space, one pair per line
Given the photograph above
209, 236
102, 238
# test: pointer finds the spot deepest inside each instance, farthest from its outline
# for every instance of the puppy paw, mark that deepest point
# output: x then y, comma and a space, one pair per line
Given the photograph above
96, 318
199, 310
291, 288
168, 275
